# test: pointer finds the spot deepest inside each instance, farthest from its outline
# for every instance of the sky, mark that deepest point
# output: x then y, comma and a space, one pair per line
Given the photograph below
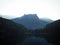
43, 8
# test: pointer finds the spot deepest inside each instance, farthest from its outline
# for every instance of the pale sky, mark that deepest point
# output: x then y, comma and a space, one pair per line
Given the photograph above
43, 8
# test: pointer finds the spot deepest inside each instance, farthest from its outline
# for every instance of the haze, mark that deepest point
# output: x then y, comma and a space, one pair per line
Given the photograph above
43, 8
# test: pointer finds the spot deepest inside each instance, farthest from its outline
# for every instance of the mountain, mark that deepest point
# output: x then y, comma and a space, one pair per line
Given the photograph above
7, 16
10, 32
31, 21
45, 21
52, 32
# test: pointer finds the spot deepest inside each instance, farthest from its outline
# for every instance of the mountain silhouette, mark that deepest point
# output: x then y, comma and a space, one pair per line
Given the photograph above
10, 32
31, 21
52, 32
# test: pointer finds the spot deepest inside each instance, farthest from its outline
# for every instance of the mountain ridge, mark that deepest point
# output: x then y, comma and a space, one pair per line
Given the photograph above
31, 21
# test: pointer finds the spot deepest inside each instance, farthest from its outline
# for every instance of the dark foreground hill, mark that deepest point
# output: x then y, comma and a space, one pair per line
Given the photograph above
10, 32
51, 32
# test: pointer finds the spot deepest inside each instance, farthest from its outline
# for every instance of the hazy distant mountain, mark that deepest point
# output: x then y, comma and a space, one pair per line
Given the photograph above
7, 16
45, 21
31, 21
